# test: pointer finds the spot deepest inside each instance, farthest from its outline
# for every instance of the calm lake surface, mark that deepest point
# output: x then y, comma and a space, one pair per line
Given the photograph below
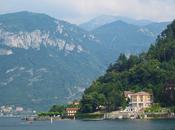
17, 124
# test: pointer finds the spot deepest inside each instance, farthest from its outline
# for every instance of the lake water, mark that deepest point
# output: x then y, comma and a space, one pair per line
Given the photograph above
17, 124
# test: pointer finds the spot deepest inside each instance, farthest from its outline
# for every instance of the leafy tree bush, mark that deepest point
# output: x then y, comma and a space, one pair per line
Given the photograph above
58, 108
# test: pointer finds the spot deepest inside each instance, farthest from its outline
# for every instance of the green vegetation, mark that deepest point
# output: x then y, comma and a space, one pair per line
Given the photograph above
150, 71
48, 114
172, 109
54, 111
154, 108
58, 108
90, 116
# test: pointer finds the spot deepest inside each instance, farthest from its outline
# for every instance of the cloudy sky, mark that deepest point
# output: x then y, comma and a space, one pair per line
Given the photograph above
77, 11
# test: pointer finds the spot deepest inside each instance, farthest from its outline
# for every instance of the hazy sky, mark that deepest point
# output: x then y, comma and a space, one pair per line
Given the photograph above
77, 11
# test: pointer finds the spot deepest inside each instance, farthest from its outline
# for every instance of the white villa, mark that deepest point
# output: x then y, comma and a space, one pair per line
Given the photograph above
138, 101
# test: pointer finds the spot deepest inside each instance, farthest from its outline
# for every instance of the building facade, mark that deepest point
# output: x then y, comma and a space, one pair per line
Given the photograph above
71, 111
138, 101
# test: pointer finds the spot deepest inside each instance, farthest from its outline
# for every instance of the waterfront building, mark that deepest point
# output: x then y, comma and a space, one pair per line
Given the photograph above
70, 112
138, 101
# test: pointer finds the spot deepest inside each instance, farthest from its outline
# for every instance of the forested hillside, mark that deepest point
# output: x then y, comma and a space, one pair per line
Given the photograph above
151, 71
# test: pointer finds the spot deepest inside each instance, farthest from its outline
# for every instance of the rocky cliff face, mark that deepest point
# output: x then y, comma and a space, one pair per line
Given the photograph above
35, 40
61, 38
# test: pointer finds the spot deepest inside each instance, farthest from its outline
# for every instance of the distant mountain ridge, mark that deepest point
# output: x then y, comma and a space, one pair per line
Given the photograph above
122, 37
99, 21
106, 19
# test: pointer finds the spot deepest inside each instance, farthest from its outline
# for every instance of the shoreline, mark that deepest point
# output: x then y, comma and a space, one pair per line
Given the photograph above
85, 119
94, 119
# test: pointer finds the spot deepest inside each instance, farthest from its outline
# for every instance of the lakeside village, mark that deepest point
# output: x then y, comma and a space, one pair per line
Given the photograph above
140, 105
15, 111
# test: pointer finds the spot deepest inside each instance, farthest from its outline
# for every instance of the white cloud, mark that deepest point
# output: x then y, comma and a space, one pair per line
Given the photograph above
81, 10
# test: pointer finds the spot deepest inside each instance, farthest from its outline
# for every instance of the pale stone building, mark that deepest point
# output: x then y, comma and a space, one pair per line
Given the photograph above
138, 101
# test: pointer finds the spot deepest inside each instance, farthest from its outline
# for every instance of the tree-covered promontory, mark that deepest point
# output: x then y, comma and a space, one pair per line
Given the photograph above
152, 71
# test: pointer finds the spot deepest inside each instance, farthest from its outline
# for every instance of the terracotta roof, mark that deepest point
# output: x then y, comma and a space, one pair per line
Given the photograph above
72, 109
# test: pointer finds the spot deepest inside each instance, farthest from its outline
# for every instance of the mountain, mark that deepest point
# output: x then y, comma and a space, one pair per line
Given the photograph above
156, 27
152, 71
126, 35
127, 38
106, 19
45, 61
97, 22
